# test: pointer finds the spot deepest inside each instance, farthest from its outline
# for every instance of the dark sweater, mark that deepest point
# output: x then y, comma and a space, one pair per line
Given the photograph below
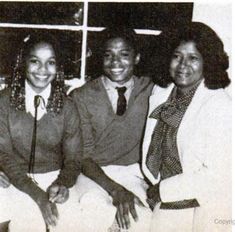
110, 139
58, 145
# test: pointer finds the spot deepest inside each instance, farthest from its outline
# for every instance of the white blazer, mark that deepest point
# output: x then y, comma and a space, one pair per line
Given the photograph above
204, 145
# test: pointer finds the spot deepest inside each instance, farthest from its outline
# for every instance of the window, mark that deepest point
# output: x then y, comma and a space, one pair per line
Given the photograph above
77, 26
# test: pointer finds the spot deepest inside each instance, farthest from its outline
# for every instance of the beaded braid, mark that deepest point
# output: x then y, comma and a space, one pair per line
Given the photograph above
17, 100
56, 100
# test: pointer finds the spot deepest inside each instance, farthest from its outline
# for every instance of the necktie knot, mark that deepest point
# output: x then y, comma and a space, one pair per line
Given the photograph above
121, 90
39, 100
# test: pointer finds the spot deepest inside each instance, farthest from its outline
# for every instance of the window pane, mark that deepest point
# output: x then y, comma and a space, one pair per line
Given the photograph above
139, 15
57, 13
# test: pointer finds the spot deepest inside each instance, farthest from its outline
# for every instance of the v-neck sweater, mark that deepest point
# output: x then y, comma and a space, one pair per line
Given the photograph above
110, 139
58, 144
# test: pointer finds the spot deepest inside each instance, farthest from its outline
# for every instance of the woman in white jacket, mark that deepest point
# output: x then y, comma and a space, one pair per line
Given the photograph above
187, 142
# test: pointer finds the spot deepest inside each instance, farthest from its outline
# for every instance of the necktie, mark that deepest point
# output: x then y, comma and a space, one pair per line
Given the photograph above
121, 103
37, 101
33, 144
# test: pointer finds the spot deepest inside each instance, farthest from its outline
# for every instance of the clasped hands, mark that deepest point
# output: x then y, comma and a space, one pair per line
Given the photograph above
45, 200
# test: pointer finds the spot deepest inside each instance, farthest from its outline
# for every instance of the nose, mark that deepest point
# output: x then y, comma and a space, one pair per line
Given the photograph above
183, 62
115, 59
42, 68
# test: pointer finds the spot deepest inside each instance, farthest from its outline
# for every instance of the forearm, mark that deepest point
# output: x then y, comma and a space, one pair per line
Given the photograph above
18, 177
68, 175
95, 172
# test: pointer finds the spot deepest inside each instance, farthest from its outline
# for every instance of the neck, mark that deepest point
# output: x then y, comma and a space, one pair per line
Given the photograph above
184, 90
36, 89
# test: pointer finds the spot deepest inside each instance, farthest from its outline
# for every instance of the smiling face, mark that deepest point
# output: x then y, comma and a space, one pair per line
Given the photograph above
41, 66
186, 66
119, 60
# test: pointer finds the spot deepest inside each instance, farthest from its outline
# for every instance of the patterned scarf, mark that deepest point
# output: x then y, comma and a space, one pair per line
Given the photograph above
163, 156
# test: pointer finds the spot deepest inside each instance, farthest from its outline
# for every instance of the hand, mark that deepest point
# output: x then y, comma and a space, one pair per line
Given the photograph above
125, 201
4, 181
153, 195
48, 209
58, 193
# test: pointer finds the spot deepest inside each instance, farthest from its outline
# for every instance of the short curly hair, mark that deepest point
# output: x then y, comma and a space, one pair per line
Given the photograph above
208, 43
55, 101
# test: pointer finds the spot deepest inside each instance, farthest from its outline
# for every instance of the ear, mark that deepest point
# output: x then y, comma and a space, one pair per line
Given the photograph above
137, 58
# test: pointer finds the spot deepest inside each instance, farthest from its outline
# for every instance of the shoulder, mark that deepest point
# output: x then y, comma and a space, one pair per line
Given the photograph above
210, 99
144, 81
160, 94
69, 106
90, 86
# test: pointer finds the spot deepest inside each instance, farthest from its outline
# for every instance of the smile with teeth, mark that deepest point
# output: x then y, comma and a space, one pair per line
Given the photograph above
41, 76
116, 70
182, 74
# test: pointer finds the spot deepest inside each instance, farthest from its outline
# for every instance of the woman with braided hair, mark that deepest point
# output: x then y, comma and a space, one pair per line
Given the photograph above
40, 141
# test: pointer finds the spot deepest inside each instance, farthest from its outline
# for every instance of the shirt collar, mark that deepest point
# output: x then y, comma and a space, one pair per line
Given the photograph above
30, 93
108, 84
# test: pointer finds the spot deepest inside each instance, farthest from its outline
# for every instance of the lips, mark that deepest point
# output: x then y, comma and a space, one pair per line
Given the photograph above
116, 71
182, 74
41, 77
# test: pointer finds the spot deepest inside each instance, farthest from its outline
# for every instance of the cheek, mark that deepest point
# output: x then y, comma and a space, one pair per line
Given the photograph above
172, 67
106, 62
52, 69
31, 68
198, 69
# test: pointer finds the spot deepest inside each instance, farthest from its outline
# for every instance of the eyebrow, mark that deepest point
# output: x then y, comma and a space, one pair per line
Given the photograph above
33, 56
125, 49
194, 53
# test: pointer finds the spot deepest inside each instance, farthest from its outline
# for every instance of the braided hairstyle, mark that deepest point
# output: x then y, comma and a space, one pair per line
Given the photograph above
55, 101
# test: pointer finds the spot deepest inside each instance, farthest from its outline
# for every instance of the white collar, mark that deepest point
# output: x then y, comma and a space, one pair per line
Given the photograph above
108, 84
29, 100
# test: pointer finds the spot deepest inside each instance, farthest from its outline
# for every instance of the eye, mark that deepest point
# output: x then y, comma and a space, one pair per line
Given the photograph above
33, 61
176, 56
125, 54
52, 62
194, 58
107, 55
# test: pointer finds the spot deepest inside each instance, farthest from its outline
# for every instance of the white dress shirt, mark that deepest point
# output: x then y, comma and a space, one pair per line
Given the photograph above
29, 100
112, 92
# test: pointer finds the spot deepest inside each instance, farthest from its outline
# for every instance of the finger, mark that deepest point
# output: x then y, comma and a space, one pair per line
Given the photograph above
133, 212
121, 215
49, 216
4, 183
138, 202
55, 210
119, 221
53, 191
126, 215
52, 218
62, 195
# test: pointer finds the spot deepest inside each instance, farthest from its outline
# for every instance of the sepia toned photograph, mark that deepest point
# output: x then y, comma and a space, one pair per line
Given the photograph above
116, 116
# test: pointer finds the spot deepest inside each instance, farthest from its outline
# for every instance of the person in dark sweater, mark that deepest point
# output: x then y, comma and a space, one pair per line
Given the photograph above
113, 110
40, 141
